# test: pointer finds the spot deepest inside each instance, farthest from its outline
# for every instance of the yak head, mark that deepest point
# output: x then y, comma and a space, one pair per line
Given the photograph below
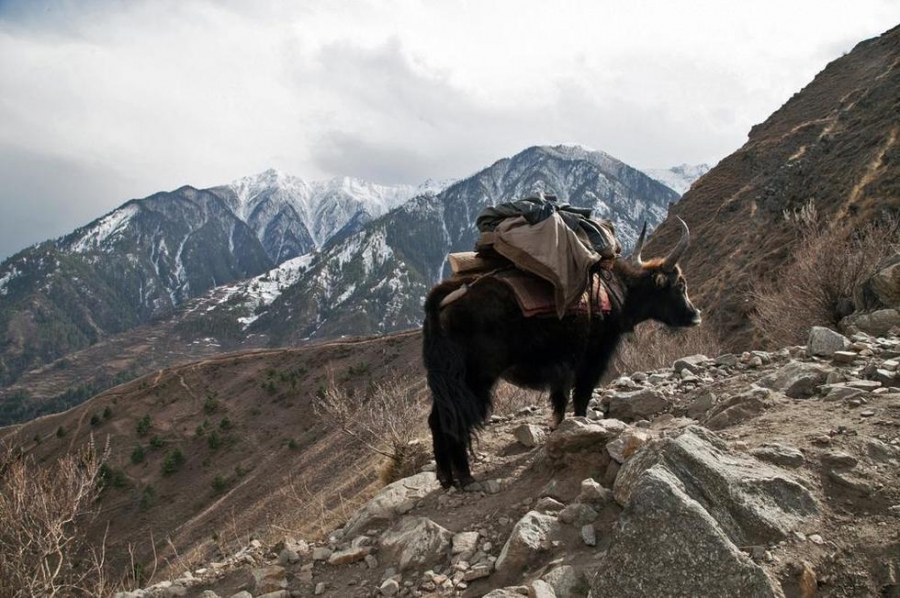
657, 288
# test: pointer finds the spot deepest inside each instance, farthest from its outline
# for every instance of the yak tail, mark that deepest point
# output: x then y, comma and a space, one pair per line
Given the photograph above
460, 410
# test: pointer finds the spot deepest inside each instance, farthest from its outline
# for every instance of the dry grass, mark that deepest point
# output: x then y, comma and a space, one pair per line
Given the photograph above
387, 421
653, 346
817, 288
43, 510
508, 399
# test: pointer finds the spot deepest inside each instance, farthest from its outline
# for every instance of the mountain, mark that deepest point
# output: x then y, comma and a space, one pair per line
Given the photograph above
180, 274
833, 144
145, 259
680, 178
291, 216
375, 280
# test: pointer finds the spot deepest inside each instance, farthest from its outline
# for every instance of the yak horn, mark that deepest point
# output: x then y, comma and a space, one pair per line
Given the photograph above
678, 251
635, 256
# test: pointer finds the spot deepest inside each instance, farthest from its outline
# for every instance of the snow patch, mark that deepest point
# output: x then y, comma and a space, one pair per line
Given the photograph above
103, 229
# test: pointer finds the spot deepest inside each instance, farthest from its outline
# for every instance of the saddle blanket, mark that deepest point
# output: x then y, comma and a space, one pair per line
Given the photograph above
536, 296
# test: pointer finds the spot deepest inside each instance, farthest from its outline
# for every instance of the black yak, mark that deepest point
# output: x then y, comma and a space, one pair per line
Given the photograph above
482, 336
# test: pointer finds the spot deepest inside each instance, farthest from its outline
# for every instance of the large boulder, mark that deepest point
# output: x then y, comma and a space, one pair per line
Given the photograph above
751, 501
580, 433
392, 501
876, 323
416, 541
882, 289
668, 544
824, 342
638, 404
738, 408
797, 380
531, 535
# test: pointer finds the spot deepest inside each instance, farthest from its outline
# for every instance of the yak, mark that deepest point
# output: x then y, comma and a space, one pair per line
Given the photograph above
482, 336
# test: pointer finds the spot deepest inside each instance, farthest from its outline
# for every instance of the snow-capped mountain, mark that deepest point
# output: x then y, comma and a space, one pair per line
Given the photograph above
375, 280
291, 216
680, 178
145, 259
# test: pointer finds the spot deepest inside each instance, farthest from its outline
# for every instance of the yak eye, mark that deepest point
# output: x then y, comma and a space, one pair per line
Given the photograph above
680, 285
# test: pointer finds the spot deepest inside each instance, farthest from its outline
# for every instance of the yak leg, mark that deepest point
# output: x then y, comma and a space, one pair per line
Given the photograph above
459, 449
442, 450
559, 397
585, 383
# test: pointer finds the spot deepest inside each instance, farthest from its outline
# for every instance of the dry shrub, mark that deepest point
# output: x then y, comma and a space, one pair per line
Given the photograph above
387, 421
818, 286
507, 399
43, 511
653, 346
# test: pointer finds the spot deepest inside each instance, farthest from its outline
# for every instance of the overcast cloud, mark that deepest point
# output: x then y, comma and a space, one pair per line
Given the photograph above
102, 101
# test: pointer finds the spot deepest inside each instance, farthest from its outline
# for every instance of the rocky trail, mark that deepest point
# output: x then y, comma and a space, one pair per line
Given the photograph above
758, 474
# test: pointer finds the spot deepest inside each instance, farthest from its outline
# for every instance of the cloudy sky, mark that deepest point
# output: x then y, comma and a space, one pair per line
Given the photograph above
104, 100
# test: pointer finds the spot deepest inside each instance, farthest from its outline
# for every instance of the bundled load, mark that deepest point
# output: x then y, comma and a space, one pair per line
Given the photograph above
558, 243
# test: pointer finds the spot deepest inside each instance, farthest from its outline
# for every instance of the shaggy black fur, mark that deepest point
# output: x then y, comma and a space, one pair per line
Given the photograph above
483, 336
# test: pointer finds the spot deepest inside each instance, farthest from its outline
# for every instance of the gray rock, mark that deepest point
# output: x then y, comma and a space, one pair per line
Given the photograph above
288, 556
320, 588
465, 542
779, 454
531, 535
627, 443
276, 594
579, 433
209, 594
797, 380
321, 553
885, 283
242, 594
563, 579
840, 392
753, 502
545, 504
876, 323
349, 555
727, 360
416, 541
540, 589
530, 435
823, 342
695, 364
478, 572
392, 501
844, 356
637, 404
865, 385
589, 534
592, 492
389, 588
886, 377
667, 544
269, 579
578, 514
737, 409
511, 592
701, 404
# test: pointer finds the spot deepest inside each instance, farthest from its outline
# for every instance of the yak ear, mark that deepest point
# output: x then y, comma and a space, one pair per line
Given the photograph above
660, 279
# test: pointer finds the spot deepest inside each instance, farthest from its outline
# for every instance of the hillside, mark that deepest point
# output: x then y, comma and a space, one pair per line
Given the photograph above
833, 144
244, 418
146, 259
757, 474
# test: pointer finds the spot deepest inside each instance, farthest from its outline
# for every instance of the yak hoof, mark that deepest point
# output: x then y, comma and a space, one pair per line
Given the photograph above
468, 484
557, 419
446, 480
